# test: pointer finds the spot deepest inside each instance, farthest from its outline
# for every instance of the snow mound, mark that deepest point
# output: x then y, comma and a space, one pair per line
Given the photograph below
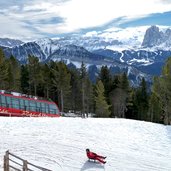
59, 143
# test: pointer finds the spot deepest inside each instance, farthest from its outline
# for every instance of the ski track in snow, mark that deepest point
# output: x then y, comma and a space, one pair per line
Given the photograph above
59, 143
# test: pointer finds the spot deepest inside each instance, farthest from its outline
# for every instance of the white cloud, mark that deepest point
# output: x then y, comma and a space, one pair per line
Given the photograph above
15, 29
77, 14
90, 13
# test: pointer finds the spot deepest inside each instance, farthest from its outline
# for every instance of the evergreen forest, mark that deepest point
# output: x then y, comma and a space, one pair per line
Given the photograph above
71, 88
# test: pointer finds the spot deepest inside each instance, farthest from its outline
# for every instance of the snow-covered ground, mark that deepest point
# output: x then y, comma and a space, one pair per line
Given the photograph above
59, 143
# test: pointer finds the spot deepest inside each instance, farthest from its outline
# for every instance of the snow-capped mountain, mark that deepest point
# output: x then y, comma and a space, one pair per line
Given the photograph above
48, 46
138, 51
10, 42
113, 38
155, 37
22, 52
147, 61
74, 55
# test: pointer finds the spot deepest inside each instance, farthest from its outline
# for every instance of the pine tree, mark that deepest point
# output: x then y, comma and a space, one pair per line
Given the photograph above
83, 77
162, 90
3, 71
24, 79
76, 90
155, 109
120, 95
35, 76
141, 101
102, 108
46, 79
165, 81
14, 74
106, 79
61, 82
125, 82
86, 91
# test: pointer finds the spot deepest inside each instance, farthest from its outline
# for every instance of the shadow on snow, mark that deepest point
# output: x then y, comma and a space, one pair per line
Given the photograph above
91, 164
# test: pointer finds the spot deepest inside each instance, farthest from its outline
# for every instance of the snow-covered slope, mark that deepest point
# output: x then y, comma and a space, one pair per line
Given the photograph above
10, 42
112, 38
48, 46
59, 144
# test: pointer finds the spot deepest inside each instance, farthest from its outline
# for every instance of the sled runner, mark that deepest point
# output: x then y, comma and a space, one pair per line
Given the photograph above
95, 160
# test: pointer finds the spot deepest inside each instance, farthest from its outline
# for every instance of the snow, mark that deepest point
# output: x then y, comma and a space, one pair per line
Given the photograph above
121, 57
59, 143
144, 61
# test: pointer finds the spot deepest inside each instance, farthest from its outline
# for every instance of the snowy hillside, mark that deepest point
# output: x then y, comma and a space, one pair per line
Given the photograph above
10, 42
59, 144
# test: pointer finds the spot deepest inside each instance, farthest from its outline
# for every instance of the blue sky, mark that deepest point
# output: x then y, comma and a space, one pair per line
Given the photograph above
25, 19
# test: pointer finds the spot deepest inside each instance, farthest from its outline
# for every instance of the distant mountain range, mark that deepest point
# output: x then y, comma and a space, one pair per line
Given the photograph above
10, 42
142, 55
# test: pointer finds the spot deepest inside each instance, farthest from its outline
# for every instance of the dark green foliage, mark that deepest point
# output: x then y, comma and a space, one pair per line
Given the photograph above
155, 109
46, 80
141, 101
120, 95
24, 79
86, 90
72, 89
102, 108
61, 81
161, 91
106, 79
35, 75
3, 71
14, 74
76, 93
124, 82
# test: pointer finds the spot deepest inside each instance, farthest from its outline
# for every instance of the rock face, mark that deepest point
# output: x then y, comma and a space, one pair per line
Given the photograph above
167, 37
22, 52
152, 37
155, 37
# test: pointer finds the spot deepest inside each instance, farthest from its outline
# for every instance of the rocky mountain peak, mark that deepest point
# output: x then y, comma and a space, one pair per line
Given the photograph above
152, 37
10, 42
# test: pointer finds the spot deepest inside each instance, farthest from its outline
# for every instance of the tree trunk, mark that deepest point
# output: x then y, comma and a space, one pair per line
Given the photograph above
62, 101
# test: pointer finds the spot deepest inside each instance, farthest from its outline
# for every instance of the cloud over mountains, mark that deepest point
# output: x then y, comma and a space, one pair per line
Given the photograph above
35, 19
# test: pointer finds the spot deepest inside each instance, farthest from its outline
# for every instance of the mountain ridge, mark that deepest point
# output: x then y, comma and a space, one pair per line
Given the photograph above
148, 56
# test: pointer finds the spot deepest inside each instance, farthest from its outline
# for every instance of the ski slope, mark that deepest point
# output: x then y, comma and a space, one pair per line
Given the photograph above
59, 143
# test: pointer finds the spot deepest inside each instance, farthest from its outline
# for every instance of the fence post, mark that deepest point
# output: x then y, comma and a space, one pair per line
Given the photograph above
6, 161
25, 165
5, 167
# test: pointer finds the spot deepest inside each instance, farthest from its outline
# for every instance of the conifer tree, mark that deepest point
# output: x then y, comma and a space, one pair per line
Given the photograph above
14, 74
86, 90
35, 76
83, 77
76, 90
155, 108
141, 101
24, 79
3, 71
46, 79
101, 106
61, 81
125, 82
120, 95
106, 79
162, 90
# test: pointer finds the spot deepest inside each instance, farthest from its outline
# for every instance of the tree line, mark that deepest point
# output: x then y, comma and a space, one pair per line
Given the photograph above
72, 89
